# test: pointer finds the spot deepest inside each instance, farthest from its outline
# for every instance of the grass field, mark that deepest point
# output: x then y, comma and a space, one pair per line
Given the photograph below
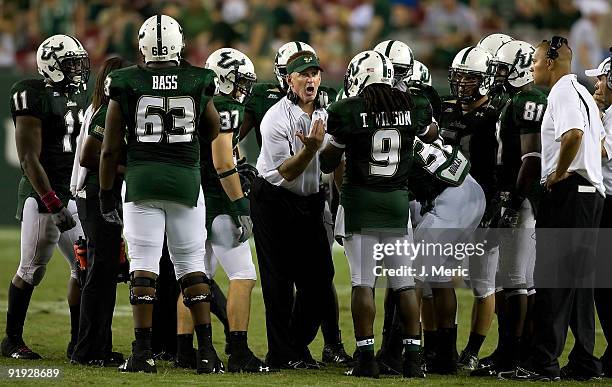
47, 331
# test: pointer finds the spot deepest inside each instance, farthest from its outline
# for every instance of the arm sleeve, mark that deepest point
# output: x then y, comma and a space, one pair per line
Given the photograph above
26, 100
422, 114
569, 116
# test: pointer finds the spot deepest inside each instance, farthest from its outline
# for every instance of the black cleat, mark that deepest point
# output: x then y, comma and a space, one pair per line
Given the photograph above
113, 359
16, 349
367, 369
164, 356
248, 363
412, 366
139, 362
186, 359
335, 354
467, 361
524, 374
570, 373
389, 365
310, 361
207, 361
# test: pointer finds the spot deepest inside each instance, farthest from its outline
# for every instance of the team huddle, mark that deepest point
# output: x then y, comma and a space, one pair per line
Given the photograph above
395, 155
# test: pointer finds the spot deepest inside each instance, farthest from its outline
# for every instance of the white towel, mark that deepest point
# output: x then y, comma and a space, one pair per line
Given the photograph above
77, 180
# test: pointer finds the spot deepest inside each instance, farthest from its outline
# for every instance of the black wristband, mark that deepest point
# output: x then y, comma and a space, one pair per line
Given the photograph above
107, 201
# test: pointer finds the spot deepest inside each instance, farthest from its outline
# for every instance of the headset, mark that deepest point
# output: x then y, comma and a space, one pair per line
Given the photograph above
555, 43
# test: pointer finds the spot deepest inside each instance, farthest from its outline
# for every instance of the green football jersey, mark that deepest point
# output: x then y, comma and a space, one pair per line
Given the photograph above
522, 114
162, 108
378, 161
378, 148
61, 115
474, 133
231, 113
264, 96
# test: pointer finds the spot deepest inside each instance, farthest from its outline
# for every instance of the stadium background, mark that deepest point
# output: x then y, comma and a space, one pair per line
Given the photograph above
337, 29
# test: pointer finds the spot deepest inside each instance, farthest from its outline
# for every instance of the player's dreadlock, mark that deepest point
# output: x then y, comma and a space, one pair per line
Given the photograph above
99, 98
384, 98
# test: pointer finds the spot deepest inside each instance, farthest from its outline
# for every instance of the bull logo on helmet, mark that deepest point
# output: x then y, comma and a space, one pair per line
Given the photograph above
49, 50
227, 62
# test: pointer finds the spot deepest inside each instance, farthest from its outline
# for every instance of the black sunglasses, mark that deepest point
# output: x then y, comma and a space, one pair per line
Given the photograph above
555, 43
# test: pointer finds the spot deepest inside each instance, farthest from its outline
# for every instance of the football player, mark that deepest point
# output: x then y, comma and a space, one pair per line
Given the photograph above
161, 104
262, 98
47, 114
378, 157
227, 209
468, 120
519, 158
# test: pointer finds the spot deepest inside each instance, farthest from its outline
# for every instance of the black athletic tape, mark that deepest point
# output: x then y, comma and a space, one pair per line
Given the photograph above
227, 173
398, 291
191, 280
144, 282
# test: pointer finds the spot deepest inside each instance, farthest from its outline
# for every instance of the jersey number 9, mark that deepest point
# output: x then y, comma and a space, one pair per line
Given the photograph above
385, 152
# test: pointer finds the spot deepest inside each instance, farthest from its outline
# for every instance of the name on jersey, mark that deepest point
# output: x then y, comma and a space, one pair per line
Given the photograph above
165, 82
381, 119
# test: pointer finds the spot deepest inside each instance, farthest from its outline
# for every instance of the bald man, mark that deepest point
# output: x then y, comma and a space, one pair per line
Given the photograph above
566, 223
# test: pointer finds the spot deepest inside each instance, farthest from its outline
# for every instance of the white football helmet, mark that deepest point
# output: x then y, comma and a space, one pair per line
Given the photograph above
471, 74
63, 59
492, 43
160, 39
234, 70
367, 68
513, 60
420, 73
401, 56
282, 57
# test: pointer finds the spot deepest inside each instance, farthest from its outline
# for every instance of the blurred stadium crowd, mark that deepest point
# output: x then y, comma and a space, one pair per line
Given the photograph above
435, 29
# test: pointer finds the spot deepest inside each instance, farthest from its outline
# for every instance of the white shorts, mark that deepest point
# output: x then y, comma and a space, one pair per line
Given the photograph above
39, 236
145, 223
365, 269
456, 213
517, 253
223, 246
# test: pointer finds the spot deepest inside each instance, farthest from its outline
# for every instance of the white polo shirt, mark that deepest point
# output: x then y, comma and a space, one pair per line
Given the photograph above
570, 106
279, 142
606, 164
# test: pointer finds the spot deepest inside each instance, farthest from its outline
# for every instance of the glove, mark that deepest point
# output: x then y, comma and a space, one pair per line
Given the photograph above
60, 214
63, 219
108, 207
247, 174
244, 219
509, 219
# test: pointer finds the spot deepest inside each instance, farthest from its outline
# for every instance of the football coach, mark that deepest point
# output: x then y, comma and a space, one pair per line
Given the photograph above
287, 214
567, 220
